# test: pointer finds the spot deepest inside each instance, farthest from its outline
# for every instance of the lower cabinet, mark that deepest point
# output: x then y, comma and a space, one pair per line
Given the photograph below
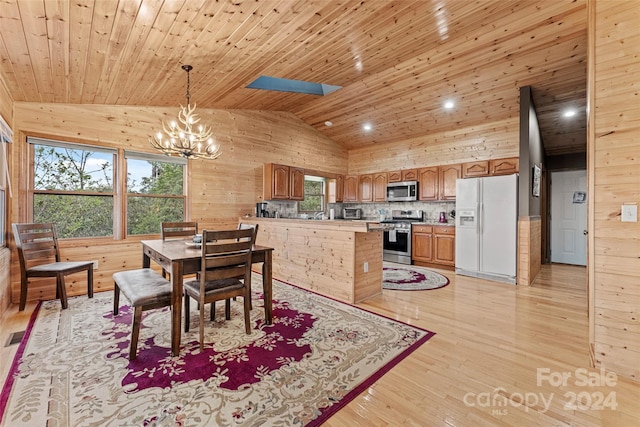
434, 245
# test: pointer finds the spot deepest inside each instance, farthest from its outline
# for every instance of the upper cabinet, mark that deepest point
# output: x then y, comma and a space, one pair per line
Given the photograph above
282, 182
504, 166
403, 175
339, 188
296, 183
395, 176
410, 175
275, 182
380, 187
365, 189
438, 182
351, 188
435, 183
447, 177
428, 183
475, 169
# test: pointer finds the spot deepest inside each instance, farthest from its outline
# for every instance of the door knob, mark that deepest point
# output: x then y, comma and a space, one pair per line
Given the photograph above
585, 232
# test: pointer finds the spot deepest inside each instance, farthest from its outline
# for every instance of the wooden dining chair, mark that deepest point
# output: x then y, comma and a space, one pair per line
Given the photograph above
225, 273
39, 256
173, 230
177, 230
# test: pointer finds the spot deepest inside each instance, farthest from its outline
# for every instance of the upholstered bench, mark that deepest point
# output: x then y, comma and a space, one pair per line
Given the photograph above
145, 290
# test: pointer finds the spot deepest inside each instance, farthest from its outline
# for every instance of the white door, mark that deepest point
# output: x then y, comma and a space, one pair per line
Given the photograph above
569, 217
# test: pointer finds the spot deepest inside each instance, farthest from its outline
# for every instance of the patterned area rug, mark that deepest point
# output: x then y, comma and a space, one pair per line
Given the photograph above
412, 279
71, 368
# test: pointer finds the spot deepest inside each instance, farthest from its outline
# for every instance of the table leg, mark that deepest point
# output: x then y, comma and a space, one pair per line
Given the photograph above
176, 306
267, 287
146, 261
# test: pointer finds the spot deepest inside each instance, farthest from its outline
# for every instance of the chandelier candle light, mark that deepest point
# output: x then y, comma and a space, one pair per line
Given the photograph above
184, 137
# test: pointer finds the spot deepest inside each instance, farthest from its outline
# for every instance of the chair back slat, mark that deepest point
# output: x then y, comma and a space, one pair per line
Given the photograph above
36, 242
226, 254
171, 230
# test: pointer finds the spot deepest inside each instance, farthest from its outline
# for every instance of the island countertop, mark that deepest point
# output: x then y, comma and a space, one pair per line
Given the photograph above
355, 225
341, 259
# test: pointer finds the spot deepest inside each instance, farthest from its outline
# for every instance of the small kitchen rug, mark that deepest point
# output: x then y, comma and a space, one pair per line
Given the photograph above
72, 369
412, 279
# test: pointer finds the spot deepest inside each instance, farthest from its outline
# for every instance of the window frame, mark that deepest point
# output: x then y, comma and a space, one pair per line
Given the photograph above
119, 191
6, 138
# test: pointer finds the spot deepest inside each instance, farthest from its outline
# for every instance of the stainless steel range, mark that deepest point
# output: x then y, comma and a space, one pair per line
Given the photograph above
397, 240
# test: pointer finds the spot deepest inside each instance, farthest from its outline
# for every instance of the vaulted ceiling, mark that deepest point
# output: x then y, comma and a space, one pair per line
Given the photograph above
397, 61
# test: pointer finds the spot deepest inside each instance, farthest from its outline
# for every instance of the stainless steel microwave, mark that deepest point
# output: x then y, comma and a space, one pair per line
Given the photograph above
402, 191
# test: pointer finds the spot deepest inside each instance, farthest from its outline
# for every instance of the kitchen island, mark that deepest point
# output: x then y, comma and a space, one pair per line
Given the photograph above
340, 259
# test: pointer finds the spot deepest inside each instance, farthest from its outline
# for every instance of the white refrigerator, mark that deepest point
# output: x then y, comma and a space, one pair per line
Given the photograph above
486, 227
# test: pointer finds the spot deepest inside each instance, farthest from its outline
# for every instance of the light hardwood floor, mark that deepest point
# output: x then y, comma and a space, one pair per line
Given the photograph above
481, 368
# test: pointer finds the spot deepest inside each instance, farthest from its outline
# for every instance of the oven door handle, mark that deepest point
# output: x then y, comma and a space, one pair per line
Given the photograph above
402, 231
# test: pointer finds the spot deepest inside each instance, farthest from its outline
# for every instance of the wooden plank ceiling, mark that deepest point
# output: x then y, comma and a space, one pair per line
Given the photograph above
397, 61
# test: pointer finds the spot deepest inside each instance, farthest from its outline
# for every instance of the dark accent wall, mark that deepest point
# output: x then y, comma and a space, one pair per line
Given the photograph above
531, 153
575, 161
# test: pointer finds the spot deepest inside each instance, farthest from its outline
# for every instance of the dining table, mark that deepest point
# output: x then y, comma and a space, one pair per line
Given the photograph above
181, 257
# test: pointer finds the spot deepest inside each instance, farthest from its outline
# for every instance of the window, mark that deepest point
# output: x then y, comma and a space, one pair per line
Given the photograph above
6, 137
73, 187
313, 194
154, 192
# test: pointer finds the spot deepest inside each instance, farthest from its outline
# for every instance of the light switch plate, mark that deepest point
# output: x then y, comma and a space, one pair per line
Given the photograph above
630, 213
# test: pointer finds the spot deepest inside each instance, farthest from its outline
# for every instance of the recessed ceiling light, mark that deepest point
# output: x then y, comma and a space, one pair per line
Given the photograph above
570, 113
367, 127
328, 123
449, 104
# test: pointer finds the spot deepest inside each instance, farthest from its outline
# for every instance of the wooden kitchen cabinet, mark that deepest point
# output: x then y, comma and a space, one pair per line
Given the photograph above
365, 188
444, 245
281, 182
428, 183
403, 175
434, 246
447, 177
422, 243
275, 182
380, 187
410, 175
296, 183
350, 188
395, 176
339, 188
506, 166
475, 169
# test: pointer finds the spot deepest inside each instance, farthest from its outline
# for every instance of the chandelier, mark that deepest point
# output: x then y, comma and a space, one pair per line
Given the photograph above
184, 137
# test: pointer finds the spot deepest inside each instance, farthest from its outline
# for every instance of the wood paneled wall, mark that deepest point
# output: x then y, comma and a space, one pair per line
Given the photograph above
5, 289
614, 179
221, 190
529, 249
489, 141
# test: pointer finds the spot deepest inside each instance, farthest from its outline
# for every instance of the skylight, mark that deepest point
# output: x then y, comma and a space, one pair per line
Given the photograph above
288, 85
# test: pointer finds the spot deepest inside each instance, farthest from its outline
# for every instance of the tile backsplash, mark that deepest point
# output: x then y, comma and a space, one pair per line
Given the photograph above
289, 209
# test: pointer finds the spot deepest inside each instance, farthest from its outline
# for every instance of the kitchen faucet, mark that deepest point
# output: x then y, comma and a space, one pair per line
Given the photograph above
318, 215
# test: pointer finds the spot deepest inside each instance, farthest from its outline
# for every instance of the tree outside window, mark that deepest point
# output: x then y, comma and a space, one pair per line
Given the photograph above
73, 188
313, 195
155, 194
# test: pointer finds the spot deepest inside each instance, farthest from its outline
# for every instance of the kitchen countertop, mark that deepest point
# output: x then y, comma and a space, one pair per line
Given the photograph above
445, 224
360, 225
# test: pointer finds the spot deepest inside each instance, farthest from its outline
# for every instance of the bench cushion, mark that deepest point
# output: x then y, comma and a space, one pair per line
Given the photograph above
143, 286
